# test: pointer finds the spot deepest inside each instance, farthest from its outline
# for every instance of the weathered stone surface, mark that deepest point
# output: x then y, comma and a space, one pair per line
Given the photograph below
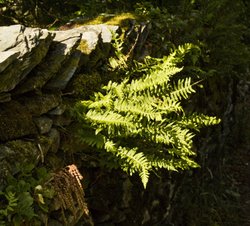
61, 120
41, 104
89, 40
58, 110
105, 31
48, 143
63, 45
32, 45
43, 124
6, 58
15, 121
32, 105
61, 80
54, 139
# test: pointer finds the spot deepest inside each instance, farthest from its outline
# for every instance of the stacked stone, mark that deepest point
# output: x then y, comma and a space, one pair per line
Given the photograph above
36, 65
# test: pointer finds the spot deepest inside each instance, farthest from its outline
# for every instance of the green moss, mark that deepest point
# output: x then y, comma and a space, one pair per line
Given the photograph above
119, 20
23, 151
85, 85
15, 121
83, 47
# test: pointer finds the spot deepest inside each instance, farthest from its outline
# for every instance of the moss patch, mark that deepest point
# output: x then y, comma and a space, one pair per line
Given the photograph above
119, 20
15, 121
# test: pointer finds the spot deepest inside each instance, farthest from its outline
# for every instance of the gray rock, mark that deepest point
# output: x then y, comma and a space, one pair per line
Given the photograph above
32, 45
62, 78
49, 142
105, 31
61, 120
63, 45
54, 138
15, 121
59, 110
89, 40
92, 34
95, 42
63, 59
41, 104
6, 58
43, 124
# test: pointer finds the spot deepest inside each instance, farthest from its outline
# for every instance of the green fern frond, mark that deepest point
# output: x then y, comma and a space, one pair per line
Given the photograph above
146, 114
131, 160
163, 164
174, 164
168, 105
12, 203
196, 121
101, 101
136, 162
154, 80
91, 138
137, 109
110, 120
182, 89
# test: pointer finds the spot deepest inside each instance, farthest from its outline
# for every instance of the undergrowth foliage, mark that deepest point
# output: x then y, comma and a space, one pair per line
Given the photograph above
141, 122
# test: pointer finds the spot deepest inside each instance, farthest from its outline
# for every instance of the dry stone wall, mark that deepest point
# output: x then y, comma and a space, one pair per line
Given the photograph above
36, 66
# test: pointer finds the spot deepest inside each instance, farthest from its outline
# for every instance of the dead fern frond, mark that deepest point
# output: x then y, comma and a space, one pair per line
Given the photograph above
67, 184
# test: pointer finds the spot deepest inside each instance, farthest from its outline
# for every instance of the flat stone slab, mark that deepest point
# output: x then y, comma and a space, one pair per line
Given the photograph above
31, 44
6, 58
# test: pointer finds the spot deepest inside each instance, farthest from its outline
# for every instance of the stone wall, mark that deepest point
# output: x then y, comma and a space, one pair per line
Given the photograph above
36, 67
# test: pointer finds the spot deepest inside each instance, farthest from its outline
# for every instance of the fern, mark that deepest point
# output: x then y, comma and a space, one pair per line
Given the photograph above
141, 121
182, 89
12, 203
134, 161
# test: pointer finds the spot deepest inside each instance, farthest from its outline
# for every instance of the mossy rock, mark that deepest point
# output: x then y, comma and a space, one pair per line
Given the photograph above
84, 85
15, 121
41, 104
